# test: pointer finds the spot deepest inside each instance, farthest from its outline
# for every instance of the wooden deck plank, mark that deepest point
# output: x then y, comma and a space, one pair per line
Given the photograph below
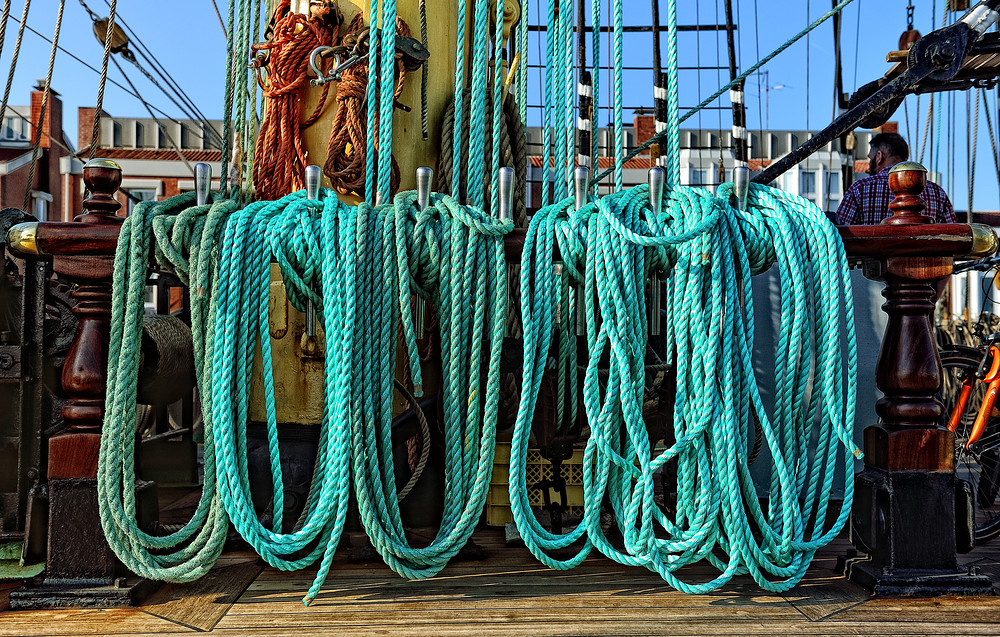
201, 604
544, 626
823, 597
984, 610
67, 622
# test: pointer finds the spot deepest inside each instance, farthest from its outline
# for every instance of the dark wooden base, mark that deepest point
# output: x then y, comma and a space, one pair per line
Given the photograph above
82, 594
916, 583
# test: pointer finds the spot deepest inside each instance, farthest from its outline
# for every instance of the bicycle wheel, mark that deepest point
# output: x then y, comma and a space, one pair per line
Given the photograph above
979, 465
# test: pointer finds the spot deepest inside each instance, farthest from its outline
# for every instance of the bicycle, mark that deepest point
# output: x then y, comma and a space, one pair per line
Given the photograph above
972, 376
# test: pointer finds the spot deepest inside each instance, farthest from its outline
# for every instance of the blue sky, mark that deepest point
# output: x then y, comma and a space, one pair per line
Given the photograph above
187, 39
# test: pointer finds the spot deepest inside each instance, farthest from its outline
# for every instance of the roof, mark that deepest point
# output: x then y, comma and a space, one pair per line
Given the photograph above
642, 162
159, 155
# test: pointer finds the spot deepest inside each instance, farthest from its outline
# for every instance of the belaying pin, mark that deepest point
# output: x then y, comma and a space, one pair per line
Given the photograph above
202, 182
741, 186
314, 175
313, 178
424, 177
656, 179
581, 183
506, 193
506, 208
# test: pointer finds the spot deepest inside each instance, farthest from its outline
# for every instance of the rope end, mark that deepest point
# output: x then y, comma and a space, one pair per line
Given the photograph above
307, 600
418, 391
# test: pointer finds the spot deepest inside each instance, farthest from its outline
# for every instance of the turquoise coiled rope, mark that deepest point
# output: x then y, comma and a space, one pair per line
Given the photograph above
710, 250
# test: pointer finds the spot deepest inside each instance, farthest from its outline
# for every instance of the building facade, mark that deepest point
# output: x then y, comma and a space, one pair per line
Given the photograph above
54, 164
157, 156
706, 160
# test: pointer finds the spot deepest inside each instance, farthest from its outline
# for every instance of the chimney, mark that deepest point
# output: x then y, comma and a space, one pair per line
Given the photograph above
645, 127
85, 126
52, 126
888, 127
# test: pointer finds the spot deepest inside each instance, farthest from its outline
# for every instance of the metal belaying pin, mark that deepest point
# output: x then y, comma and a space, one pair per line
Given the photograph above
656, 180
581, 182
313, 178
741, 186
506, 177
424, 177
202, 182
505, 209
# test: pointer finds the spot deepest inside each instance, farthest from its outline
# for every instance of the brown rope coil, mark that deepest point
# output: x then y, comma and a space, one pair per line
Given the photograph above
345, 159
279, 152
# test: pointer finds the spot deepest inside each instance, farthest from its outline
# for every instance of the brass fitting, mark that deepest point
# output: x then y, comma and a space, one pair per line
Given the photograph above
21, 239
984, 240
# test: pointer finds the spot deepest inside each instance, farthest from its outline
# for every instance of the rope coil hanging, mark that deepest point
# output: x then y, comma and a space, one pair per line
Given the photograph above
358, 266
279, 152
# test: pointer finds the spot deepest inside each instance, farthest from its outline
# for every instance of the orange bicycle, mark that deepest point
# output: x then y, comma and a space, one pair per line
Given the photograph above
972, 377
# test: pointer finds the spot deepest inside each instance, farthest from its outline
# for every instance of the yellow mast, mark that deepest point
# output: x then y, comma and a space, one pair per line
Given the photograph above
298, 375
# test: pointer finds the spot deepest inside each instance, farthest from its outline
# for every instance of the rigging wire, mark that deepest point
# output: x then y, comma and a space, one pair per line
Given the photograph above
17, 51
219, 15
187, 105
3, 24
95, 138
128, 91
41, 113
159, 124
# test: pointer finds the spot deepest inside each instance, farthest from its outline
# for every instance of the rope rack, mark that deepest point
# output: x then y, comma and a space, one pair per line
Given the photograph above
605, 292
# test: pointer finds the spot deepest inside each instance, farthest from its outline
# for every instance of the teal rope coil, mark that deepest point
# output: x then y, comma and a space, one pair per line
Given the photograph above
359, 267
711, 250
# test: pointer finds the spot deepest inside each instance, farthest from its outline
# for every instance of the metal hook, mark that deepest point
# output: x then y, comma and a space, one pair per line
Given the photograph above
322, 79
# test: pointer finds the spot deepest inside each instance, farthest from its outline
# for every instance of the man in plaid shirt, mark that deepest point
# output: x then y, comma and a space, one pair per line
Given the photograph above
867, 200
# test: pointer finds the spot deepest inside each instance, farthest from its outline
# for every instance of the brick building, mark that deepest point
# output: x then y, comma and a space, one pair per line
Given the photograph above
157, 157
56, 170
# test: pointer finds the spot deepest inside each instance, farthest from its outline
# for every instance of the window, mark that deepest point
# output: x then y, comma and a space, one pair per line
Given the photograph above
13, 129
161, 138
833, 183
807, 185
186, 137
140, 135
116, 135
793, 141
699, 177
142, 194
212, 141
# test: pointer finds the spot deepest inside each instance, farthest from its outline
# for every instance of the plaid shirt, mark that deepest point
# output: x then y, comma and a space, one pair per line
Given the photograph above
867, 202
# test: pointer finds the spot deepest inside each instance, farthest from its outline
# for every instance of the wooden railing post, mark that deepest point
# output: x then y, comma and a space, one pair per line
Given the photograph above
81, 569
904, 508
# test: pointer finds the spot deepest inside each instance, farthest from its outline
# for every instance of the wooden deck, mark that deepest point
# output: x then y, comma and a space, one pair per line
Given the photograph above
511, 594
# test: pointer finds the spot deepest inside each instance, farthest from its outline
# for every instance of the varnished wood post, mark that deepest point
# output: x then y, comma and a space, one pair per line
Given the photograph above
73, 453
81, 569
904, 511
